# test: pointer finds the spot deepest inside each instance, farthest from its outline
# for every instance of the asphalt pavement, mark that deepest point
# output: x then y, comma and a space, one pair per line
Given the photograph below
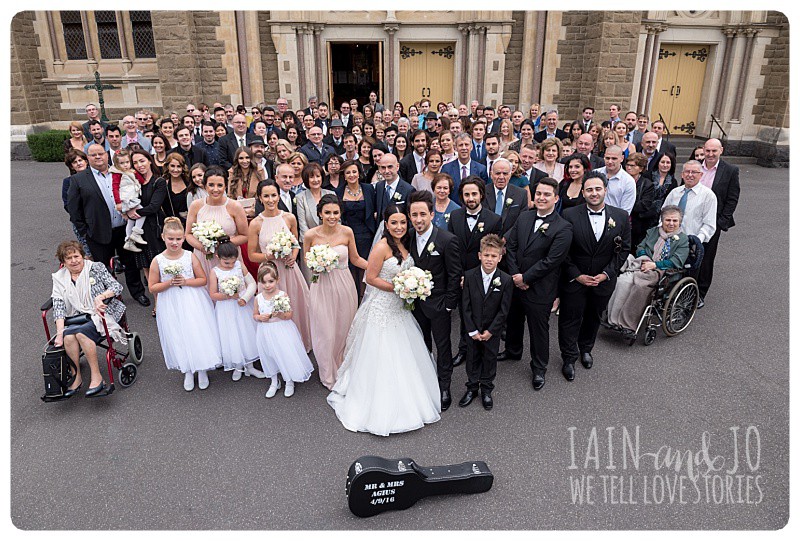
691, 432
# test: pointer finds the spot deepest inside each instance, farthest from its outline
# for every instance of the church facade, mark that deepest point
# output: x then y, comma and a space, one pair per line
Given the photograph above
705, 73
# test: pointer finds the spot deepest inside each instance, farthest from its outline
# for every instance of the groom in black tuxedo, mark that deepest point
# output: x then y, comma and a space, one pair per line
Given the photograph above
601, 241
437, 251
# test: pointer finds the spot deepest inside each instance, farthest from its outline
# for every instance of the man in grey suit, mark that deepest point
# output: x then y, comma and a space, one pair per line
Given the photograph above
132, 135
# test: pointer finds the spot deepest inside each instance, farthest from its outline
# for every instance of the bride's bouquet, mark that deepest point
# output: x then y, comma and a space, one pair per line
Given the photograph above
413, 284
321, 259
281, 304
282, 244
230, 285
209, 234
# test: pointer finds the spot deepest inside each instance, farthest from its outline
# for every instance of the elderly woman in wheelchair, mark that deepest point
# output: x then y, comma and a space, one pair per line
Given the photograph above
664, 249
84, 293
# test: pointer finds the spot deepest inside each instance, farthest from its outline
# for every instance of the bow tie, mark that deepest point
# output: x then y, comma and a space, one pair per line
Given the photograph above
595, 213
472, 216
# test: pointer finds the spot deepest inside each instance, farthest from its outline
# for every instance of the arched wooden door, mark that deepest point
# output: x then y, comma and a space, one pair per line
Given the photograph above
679, 86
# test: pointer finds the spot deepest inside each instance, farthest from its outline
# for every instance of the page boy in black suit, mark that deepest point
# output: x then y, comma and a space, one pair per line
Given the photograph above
486, 299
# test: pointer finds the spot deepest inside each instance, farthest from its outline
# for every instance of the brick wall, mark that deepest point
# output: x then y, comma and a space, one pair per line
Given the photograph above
513, 65
269, 59
772, 100
31, 101
598, 57
209, 57
176, 52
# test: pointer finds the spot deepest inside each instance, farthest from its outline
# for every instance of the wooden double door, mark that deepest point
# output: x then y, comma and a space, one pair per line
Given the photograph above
679, 86
426, 71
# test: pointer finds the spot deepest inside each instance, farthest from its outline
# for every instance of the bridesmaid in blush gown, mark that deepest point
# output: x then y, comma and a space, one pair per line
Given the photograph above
216, 206
333, 300
291, 281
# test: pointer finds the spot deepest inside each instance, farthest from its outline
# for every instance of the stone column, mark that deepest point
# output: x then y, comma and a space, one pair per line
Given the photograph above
244, 63
657, 29
301, 62
90, 57
727, 58
122, 23
751, 34
51, 28
538, 67
645, 69
390, 81
481, 30
319, 57
465, 32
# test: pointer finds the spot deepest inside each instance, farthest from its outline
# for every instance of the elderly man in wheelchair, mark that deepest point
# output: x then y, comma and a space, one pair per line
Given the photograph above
85, 308
653, 288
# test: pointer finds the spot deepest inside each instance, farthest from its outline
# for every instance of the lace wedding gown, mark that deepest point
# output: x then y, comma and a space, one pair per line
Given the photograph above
387, 383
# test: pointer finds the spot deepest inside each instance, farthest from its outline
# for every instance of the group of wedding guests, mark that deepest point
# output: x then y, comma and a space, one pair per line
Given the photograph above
508, 236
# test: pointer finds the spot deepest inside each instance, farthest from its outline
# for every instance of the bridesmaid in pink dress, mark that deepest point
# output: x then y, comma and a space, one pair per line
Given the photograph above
216, 206
262, 228
333, 300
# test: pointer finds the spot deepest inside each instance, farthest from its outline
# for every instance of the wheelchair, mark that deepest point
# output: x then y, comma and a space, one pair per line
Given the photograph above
124, 362
673, 302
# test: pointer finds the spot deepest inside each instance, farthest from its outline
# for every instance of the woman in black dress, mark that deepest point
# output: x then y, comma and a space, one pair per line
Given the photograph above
358, 204
177, 181
570, 192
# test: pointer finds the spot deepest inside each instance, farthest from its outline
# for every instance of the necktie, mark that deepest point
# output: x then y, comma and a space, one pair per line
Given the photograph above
498, 206
684, 198
287, 200
241, 141
389, 193
463, 172
479, 151
486, 284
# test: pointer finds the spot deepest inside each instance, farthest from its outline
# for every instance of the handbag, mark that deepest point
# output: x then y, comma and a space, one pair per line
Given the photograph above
59, 372
78, 319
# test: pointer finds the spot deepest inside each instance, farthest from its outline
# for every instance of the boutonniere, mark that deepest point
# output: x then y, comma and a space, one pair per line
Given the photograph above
294, 199
675, 237
509, 201
496, 282
447, 217
543, 228
92, 281
480, 227
397, 196
611, 223
431, 247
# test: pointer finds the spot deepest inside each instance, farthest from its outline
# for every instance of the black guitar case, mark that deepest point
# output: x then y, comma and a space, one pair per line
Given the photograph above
376, 484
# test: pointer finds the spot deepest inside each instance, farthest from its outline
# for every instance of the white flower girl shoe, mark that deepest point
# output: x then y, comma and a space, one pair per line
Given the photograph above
202, 379
237, 374
188, 381
289, 391
249, 370
273, 388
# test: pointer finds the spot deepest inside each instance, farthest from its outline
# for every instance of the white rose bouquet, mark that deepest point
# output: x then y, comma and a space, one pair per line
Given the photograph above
174, 269
413, 284
230, 285
208, 233
281, 304
282, 244
321, 259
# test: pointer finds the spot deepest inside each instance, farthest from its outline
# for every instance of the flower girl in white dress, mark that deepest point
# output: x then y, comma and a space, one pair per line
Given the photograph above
232, 288
178, 279
279, 343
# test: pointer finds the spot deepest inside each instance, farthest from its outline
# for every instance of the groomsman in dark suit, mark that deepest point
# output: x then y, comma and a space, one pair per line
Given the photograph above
504, 199
538, 244
723, 179
414, 162
91, 207
470, 224
601, 240
436, 250
478, 132
392, 189
485, 302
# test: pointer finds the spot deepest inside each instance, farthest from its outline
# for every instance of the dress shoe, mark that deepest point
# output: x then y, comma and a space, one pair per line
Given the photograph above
249, 370
568, 370
467, 399
100, 390
273, 388
237, 374
289, 390
69, 393
143, 300
486, 400
202, 380
701, 303
458, 359
587, 360
538, 382
446, 399
188, 381
504, 356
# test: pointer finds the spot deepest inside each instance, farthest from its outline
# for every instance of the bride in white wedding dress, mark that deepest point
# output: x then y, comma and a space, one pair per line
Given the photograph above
387, 383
